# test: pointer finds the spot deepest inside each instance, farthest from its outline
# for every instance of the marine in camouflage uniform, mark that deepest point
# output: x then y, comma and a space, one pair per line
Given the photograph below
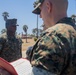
56, 49
10, 46
55, 52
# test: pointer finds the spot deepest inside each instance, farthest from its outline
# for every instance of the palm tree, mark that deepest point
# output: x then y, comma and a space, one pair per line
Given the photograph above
5, 15
25, 27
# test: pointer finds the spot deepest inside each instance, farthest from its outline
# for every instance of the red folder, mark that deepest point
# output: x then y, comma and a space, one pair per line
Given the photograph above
21, 66
6, 65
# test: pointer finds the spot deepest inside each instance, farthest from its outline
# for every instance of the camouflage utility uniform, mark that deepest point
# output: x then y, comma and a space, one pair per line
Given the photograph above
56, 50
10, 47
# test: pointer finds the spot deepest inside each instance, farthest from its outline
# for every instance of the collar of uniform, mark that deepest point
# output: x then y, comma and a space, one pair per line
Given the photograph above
67, 20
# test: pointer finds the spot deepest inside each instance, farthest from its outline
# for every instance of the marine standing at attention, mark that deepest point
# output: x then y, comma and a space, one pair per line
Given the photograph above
10, 43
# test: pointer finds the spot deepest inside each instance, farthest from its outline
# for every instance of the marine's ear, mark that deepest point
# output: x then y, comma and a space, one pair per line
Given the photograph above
49, 5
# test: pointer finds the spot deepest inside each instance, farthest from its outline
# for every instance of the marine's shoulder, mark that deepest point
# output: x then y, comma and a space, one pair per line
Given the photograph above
4, 36
61, 27
18, 36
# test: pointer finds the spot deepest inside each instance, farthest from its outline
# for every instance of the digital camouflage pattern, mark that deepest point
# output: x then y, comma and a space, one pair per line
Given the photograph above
10, 47
56, 50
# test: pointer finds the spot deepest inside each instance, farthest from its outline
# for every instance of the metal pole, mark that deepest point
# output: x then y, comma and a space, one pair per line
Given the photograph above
75, 12
37, 26
75, 6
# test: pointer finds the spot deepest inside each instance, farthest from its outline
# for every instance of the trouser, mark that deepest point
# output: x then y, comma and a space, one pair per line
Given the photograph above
39, 71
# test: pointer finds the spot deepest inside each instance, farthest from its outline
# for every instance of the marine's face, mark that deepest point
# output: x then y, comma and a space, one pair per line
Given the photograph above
45, 11
11, 28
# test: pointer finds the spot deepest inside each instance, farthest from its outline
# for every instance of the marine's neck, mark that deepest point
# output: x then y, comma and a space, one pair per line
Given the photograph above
10, 34
57, 18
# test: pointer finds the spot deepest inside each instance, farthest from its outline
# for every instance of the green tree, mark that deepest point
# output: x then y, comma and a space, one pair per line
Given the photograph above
40, 31
3, 31
5, 15
25, 27
34, 31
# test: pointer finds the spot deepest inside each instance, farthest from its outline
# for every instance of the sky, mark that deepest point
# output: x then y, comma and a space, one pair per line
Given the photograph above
22, 11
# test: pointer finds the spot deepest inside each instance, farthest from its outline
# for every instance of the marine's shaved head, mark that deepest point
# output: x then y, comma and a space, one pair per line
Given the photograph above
56, 9
60, 4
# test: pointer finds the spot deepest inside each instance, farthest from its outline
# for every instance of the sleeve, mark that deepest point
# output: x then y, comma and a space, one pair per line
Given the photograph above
51, 52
